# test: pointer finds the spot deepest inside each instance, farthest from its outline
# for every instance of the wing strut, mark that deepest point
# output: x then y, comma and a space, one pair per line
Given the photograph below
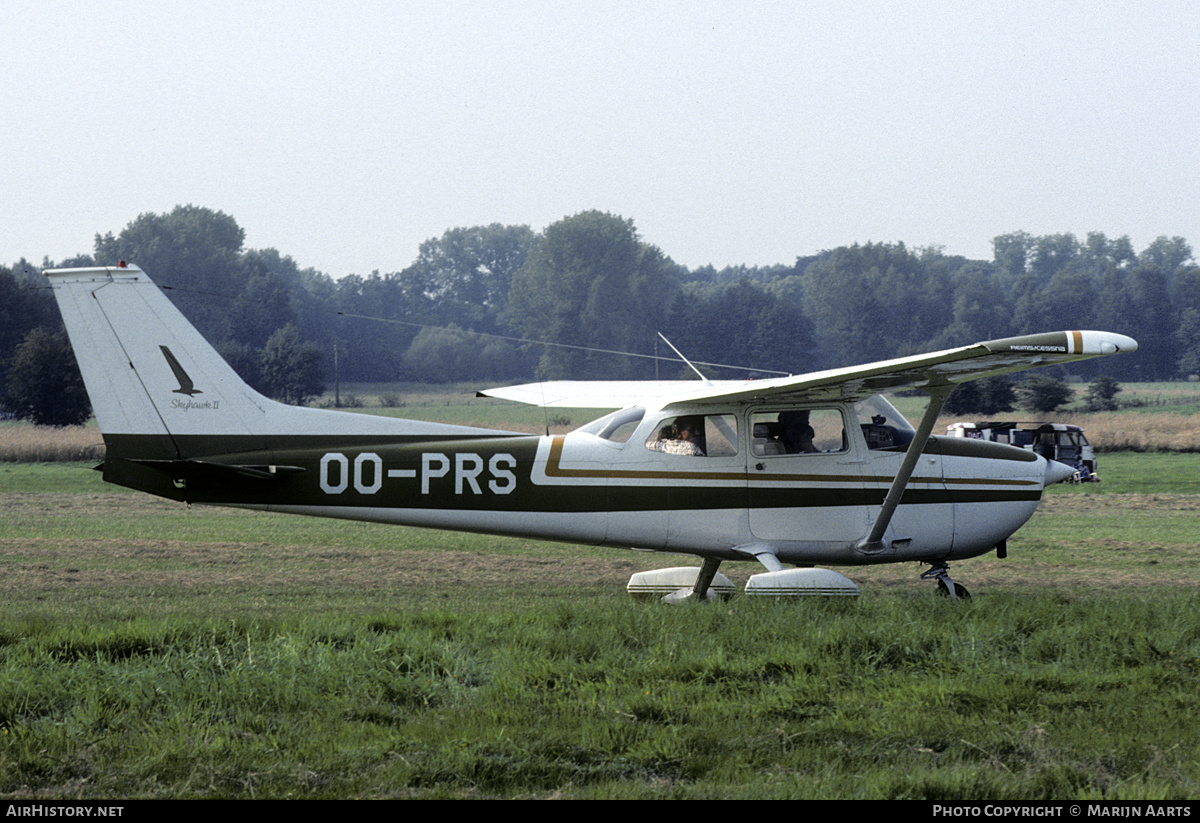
873, 542
700, 591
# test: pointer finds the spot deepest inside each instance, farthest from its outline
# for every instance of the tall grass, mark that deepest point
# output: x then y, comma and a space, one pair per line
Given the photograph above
24, 443
1141, 432
1118, 431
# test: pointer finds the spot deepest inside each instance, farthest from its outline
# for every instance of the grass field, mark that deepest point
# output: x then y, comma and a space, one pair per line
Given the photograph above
152, 650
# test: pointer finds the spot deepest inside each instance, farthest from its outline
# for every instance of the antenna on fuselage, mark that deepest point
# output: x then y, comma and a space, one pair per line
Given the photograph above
707, 382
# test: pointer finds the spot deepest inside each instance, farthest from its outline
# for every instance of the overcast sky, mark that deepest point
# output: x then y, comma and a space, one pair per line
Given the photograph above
344, 134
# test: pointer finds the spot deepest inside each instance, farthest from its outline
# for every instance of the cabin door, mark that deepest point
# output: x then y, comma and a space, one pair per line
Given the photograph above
804, 473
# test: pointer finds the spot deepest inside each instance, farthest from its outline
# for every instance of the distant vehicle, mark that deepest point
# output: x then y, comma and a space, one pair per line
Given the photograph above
1053, 441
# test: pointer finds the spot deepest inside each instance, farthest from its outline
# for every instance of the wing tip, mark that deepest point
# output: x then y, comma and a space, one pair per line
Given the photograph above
1081, 343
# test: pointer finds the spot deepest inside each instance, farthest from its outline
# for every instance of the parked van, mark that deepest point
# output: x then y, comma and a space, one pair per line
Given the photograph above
1054, 441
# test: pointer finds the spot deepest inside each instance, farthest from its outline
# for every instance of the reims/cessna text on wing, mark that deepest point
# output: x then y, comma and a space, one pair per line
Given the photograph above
803, 470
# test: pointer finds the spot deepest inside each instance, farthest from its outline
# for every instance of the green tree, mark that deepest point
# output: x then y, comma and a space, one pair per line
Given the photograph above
589, 281
1101, 252
447, 355
985, 397
1167, 253
981, 311
1187, 340
468, 272
1102, 394
1052, 253
244, 360
872, 301
741, 323
195, 251
964, 400
381, 316
263, 307
1050, 287
1011, 253
305, 297
44, 385
291, 369
999, 394
24, 305
1149, 314
1043, 393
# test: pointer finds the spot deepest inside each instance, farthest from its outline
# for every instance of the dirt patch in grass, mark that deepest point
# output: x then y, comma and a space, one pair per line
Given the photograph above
45, 567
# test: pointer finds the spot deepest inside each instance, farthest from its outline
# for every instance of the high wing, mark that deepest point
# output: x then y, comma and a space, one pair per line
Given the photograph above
604, 394
922, 371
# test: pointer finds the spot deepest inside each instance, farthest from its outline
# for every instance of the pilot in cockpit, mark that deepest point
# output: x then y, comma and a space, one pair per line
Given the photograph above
680, 437
796, 433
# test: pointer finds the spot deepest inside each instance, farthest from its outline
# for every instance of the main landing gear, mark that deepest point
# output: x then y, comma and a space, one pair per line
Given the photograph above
687, 584
946, 587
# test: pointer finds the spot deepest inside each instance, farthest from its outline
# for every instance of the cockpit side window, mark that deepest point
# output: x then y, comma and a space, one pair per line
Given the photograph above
696, 435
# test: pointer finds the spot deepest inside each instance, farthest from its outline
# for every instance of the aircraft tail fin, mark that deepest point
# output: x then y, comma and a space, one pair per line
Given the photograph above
147, 370
151, 375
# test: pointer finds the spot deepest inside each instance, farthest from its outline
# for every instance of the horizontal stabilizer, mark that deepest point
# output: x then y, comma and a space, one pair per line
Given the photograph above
191, 469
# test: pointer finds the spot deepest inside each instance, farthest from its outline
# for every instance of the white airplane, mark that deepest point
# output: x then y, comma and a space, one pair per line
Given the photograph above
803, 470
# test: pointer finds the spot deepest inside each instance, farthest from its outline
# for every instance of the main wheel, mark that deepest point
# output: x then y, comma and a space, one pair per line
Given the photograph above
959, 590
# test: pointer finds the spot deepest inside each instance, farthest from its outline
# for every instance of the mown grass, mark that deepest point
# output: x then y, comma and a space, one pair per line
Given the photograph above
1139, 473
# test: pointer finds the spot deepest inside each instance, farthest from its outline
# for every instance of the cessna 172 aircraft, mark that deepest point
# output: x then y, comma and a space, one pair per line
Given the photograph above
803, 470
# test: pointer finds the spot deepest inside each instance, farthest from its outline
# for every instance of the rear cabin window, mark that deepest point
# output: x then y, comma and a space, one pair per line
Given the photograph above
797, 431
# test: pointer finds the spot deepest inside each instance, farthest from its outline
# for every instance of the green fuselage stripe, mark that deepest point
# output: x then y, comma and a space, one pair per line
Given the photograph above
236, 470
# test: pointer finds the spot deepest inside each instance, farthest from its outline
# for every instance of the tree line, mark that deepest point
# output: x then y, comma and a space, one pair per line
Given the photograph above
469, 305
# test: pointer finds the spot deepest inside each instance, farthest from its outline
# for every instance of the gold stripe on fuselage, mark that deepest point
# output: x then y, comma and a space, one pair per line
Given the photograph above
555, 469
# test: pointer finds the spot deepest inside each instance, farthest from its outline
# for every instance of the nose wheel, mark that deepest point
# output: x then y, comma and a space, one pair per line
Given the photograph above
946, 587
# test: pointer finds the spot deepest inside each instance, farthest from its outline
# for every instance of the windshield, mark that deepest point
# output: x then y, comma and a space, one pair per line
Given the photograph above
875, 410
617, 426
